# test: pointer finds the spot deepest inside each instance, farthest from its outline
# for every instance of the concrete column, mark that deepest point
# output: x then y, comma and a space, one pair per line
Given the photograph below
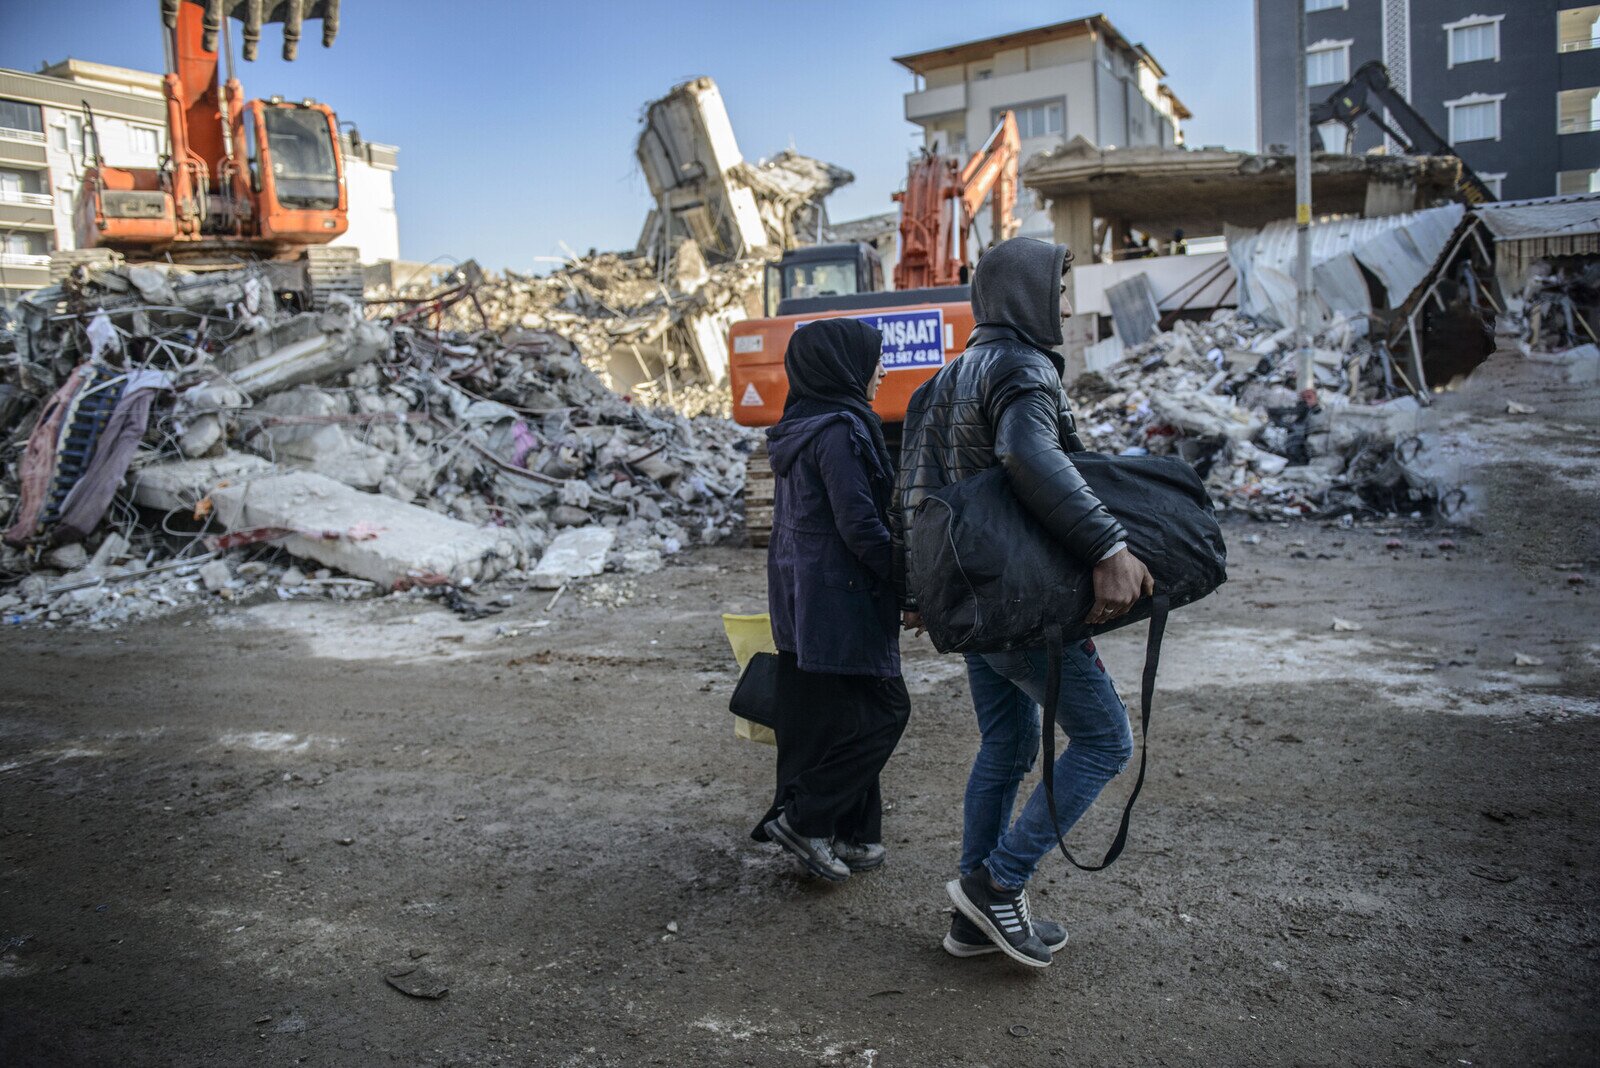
1073, 220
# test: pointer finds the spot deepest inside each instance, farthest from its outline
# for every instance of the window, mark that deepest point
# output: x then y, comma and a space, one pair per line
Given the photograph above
10, 184
983, 74
1327, 5
22, 244
1474, 118
1328, 63
1474, 39
1578, 30
825, 279
15, 115
1036, 120
1578, 110
1495, 182
143, 140
68, 137
1578, 182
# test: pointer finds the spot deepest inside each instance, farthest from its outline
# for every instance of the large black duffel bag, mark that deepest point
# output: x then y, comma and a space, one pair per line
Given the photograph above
988, 577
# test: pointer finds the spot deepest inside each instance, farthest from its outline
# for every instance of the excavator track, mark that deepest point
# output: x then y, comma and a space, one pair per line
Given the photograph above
758, 489
333, 272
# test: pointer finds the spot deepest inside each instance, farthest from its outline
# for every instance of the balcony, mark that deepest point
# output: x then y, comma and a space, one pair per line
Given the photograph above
931, 103
23, 259
33, 200
1578, 29
10, 133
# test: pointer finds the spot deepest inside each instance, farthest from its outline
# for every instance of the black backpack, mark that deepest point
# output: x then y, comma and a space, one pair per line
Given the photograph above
988, 577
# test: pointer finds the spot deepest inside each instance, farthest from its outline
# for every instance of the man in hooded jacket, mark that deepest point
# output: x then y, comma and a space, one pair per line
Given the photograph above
1001, 403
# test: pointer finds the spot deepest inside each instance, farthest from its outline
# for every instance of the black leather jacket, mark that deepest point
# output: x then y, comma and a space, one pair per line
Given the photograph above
1000, 402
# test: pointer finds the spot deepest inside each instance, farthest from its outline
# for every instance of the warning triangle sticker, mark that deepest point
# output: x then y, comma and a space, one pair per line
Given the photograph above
751, 398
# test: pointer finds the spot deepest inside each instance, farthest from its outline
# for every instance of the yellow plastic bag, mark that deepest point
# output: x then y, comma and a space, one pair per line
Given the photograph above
750, 635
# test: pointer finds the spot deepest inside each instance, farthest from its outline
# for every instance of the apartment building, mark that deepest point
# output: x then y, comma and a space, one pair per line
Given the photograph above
1070, 79
43, 152
1514, 85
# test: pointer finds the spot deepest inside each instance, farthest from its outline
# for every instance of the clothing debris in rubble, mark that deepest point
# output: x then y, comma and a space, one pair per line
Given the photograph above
200, 416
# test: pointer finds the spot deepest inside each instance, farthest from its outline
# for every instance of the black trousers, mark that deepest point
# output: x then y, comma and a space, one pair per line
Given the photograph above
835, 734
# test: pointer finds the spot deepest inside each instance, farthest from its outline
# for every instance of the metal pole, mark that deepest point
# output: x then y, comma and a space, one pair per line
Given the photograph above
1302, 205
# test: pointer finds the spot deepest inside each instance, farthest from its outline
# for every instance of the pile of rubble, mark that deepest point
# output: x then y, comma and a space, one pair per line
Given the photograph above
657, 337
1220, 393
167, 437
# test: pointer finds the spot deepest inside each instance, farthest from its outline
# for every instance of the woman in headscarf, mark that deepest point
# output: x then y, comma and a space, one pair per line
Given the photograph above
842, 704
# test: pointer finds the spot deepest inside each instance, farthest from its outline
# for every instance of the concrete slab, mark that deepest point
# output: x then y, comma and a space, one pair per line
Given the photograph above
389, 540
576, 553
181, 483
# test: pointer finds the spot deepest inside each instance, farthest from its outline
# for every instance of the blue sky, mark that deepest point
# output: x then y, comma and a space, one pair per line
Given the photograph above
516, 121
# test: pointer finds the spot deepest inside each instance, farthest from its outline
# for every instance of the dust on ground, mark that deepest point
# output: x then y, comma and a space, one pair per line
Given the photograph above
1372, 846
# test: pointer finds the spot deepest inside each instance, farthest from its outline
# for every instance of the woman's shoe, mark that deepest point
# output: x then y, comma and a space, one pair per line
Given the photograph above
860, 856
815, 853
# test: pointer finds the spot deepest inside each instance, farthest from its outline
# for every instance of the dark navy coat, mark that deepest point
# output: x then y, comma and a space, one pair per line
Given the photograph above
828, 564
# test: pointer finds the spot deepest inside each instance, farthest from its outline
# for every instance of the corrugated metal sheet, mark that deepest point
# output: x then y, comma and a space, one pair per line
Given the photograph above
1523, 220
1399, 249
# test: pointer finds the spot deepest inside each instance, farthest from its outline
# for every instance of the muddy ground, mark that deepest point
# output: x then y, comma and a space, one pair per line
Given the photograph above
218, 833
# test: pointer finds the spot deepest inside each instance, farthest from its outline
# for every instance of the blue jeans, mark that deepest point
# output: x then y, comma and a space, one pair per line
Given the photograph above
1007, 689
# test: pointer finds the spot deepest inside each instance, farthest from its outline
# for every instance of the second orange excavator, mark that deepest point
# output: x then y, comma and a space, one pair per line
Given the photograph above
924, 320
257, 178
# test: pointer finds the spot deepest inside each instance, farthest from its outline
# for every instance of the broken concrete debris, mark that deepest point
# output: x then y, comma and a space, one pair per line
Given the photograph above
573, 554
1219, 393
320, 444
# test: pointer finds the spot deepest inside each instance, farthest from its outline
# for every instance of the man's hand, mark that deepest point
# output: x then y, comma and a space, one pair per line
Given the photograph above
1119, 581
912, 621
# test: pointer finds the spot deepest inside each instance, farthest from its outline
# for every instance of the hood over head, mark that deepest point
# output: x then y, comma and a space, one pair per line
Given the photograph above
829, 364
1017, 284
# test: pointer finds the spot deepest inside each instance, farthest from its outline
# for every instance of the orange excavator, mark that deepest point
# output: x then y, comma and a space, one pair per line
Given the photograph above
924, 320
256, 178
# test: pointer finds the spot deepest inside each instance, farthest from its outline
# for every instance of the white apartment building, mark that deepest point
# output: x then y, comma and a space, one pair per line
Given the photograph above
1079, 78
43, 155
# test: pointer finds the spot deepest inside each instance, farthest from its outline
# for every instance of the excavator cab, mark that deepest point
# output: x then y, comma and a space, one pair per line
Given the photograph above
296, 170
823, 271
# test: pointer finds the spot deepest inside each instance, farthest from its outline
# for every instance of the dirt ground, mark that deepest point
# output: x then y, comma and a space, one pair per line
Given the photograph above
218, 833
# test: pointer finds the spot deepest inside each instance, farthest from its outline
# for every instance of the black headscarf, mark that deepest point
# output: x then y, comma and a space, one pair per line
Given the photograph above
829, 364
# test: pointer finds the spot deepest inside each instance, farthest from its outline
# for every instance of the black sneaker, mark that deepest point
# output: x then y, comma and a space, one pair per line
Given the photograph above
965, 940
1001, 916
815, 853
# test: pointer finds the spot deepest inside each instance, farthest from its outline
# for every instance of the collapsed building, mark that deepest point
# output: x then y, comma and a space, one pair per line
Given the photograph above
653, 322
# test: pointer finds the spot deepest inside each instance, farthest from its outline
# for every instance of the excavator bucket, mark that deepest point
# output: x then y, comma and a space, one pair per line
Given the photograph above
254, 14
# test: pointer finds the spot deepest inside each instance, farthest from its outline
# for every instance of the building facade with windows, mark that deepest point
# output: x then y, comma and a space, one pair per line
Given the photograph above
1077, 78
1513, 85
44, 148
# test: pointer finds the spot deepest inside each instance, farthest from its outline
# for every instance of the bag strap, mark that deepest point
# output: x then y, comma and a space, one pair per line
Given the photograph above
1159, 606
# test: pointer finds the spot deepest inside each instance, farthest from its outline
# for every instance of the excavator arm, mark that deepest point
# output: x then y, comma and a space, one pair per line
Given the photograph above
1369, 92
993, 168
927, 231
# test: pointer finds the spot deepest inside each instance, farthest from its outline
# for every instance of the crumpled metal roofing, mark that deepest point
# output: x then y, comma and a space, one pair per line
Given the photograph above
1521, 220
1399, 249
